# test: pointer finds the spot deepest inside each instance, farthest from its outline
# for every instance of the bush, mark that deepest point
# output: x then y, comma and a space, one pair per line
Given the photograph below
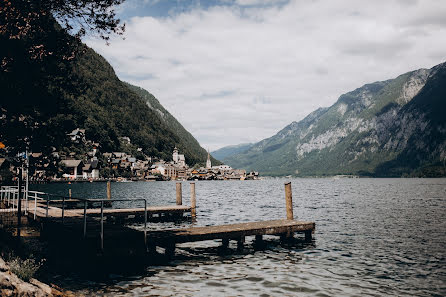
24, 269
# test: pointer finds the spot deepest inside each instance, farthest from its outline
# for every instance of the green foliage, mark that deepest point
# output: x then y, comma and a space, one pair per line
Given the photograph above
24, 269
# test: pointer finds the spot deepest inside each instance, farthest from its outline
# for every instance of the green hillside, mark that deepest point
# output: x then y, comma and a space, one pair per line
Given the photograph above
43, 100
188, 142
230, 150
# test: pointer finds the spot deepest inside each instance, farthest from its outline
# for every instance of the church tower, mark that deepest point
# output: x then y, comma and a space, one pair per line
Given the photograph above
208, 162
175, 155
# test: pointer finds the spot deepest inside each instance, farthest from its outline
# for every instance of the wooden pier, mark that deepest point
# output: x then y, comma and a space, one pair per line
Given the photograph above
91, 228
284, 228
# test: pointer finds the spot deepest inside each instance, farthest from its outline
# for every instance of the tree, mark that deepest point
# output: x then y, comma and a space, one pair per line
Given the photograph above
27, 23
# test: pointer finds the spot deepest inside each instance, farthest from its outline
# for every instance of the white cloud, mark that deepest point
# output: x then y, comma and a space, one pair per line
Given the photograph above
232, 75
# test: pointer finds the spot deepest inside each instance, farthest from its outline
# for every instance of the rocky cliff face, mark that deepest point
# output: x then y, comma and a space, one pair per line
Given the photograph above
387, 128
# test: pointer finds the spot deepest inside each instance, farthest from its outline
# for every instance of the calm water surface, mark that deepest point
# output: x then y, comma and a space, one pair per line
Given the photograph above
374, 237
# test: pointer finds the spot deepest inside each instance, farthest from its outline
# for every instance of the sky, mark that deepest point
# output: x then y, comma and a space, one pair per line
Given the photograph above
238, 71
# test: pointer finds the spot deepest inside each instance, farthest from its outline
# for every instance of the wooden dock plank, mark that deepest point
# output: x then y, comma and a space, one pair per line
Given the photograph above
56, 212
233, 231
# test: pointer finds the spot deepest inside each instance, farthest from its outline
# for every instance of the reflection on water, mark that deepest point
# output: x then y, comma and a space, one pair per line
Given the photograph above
373, 237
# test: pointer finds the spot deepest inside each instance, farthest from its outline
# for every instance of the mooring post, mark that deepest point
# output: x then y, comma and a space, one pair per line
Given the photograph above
289, 201
69, 193
193, 201
179, 194
108, 190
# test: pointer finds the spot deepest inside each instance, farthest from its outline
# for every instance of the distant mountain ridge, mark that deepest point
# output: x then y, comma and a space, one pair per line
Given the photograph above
230, 150
395, 127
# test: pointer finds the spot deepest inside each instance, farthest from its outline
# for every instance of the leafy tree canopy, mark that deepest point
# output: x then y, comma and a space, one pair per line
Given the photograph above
32, 22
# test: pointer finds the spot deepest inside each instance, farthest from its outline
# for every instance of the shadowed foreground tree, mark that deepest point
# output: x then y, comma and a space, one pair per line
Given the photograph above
28, 24
39, 40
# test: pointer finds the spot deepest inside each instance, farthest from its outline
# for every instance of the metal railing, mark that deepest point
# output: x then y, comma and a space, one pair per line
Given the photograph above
86, 201
9, 195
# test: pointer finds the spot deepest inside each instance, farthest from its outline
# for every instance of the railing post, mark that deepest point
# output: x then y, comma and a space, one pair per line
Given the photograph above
179, 194
47, 204
19, 203
193, 201
63, 209
85, 218
102, 225
35, 205
289, 201
145, 223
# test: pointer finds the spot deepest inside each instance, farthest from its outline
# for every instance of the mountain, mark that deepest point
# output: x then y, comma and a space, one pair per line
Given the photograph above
394, 128
196, 151
44, 99
230, 150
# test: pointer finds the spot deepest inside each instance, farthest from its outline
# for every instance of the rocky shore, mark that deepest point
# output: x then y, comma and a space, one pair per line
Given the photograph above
11, 285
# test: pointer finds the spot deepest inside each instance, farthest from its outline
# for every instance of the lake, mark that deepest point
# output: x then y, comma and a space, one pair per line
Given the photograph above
374, 237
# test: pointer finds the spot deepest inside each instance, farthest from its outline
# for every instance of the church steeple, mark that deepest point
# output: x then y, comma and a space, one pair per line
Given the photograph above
208, 162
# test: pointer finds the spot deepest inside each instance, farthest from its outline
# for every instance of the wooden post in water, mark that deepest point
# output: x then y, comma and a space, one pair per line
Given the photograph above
108, 190
69, 193
193, 201
289, 201
179, 194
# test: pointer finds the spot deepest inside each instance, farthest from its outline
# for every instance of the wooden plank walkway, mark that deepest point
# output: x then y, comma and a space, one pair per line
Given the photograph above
56, 212
284, 228
233, 231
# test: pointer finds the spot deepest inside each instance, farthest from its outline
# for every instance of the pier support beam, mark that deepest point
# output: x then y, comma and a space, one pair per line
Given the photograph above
179, 194
151, 248
258, 242
224, 243
170, 249
289, 201
240, 243
308, 235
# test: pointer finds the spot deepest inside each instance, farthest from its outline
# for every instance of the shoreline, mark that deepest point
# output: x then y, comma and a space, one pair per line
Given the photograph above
12, 285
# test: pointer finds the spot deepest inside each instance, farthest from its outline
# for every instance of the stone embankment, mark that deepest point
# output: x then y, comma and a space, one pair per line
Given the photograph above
11, 285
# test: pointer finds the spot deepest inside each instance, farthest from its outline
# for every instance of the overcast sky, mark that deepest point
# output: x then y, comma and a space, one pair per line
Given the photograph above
239, 71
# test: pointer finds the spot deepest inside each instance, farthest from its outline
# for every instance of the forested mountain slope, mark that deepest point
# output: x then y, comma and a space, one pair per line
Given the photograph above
42, 101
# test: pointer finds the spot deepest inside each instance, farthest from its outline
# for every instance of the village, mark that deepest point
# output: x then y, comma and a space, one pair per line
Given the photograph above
118, 166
